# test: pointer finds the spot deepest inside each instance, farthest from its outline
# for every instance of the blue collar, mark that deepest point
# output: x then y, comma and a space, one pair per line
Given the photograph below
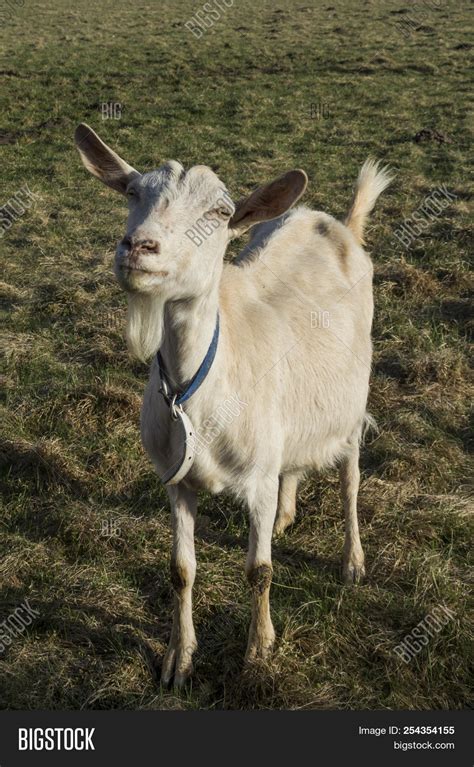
198, 378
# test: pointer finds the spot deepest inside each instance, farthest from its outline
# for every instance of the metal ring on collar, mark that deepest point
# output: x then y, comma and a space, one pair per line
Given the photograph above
173, 408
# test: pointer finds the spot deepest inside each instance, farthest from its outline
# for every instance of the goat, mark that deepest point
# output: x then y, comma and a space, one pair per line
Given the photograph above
294, 348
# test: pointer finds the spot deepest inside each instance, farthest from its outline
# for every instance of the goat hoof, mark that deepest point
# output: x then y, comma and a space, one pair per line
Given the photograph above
281, 524
259, 649
353, 573
177, 666
255, 655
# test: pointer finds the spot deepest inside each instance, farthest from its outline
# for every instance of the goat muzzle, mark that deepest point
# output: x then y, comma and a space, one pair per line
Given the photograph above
136, 246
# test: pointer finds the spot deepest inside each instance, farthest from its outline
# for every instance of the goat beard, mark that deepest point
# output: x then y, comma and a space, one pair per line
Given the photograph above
144, 324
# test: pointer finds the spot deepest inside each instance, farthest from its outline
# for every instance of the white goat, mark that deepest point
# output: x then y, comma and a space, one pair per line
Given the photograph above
294, 348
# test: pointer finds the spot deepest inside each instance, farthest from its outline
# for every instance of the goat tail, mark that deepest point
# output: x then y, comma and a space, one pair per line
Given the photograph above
371, 182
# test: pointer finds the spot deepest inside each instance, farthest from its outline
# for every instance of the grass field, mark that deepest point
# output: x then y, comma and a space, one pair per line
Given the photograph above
84, 532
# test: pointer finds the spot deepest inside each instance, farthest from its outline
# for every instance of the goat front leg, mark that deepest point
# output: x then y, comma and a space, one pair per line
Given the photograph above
353, 560
178, 659
259, 569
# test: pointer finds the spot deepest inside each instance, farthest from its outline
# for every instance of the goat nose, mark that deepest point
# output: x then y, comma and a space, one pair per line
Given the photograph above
151, 246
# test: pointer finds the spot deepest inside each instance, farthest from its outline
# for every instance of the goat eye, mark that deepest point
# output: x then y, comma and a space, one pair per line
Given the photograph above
131, 193
224, 212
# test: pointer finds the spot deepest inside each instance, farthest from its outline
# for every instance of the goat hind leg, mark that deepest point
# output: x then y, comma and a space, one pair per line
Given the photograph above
286, 510
353, 559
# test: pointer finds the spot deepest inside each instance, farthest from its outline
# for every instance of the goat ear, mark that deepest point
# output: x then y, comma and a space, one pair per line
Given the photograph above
269, 201
102, 161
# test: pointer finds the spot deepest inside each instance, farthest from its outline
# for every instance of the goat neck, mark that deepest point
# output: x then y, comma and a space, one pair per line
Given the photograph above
188, 329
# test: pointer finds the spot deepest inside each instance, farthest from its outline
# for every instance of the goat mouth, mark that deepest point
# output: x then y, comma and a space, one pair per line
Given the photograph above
135, 268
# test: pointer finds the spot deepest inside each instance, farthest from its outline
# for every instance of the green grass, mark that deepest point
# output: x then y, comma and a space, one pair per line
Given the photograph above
239, 99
